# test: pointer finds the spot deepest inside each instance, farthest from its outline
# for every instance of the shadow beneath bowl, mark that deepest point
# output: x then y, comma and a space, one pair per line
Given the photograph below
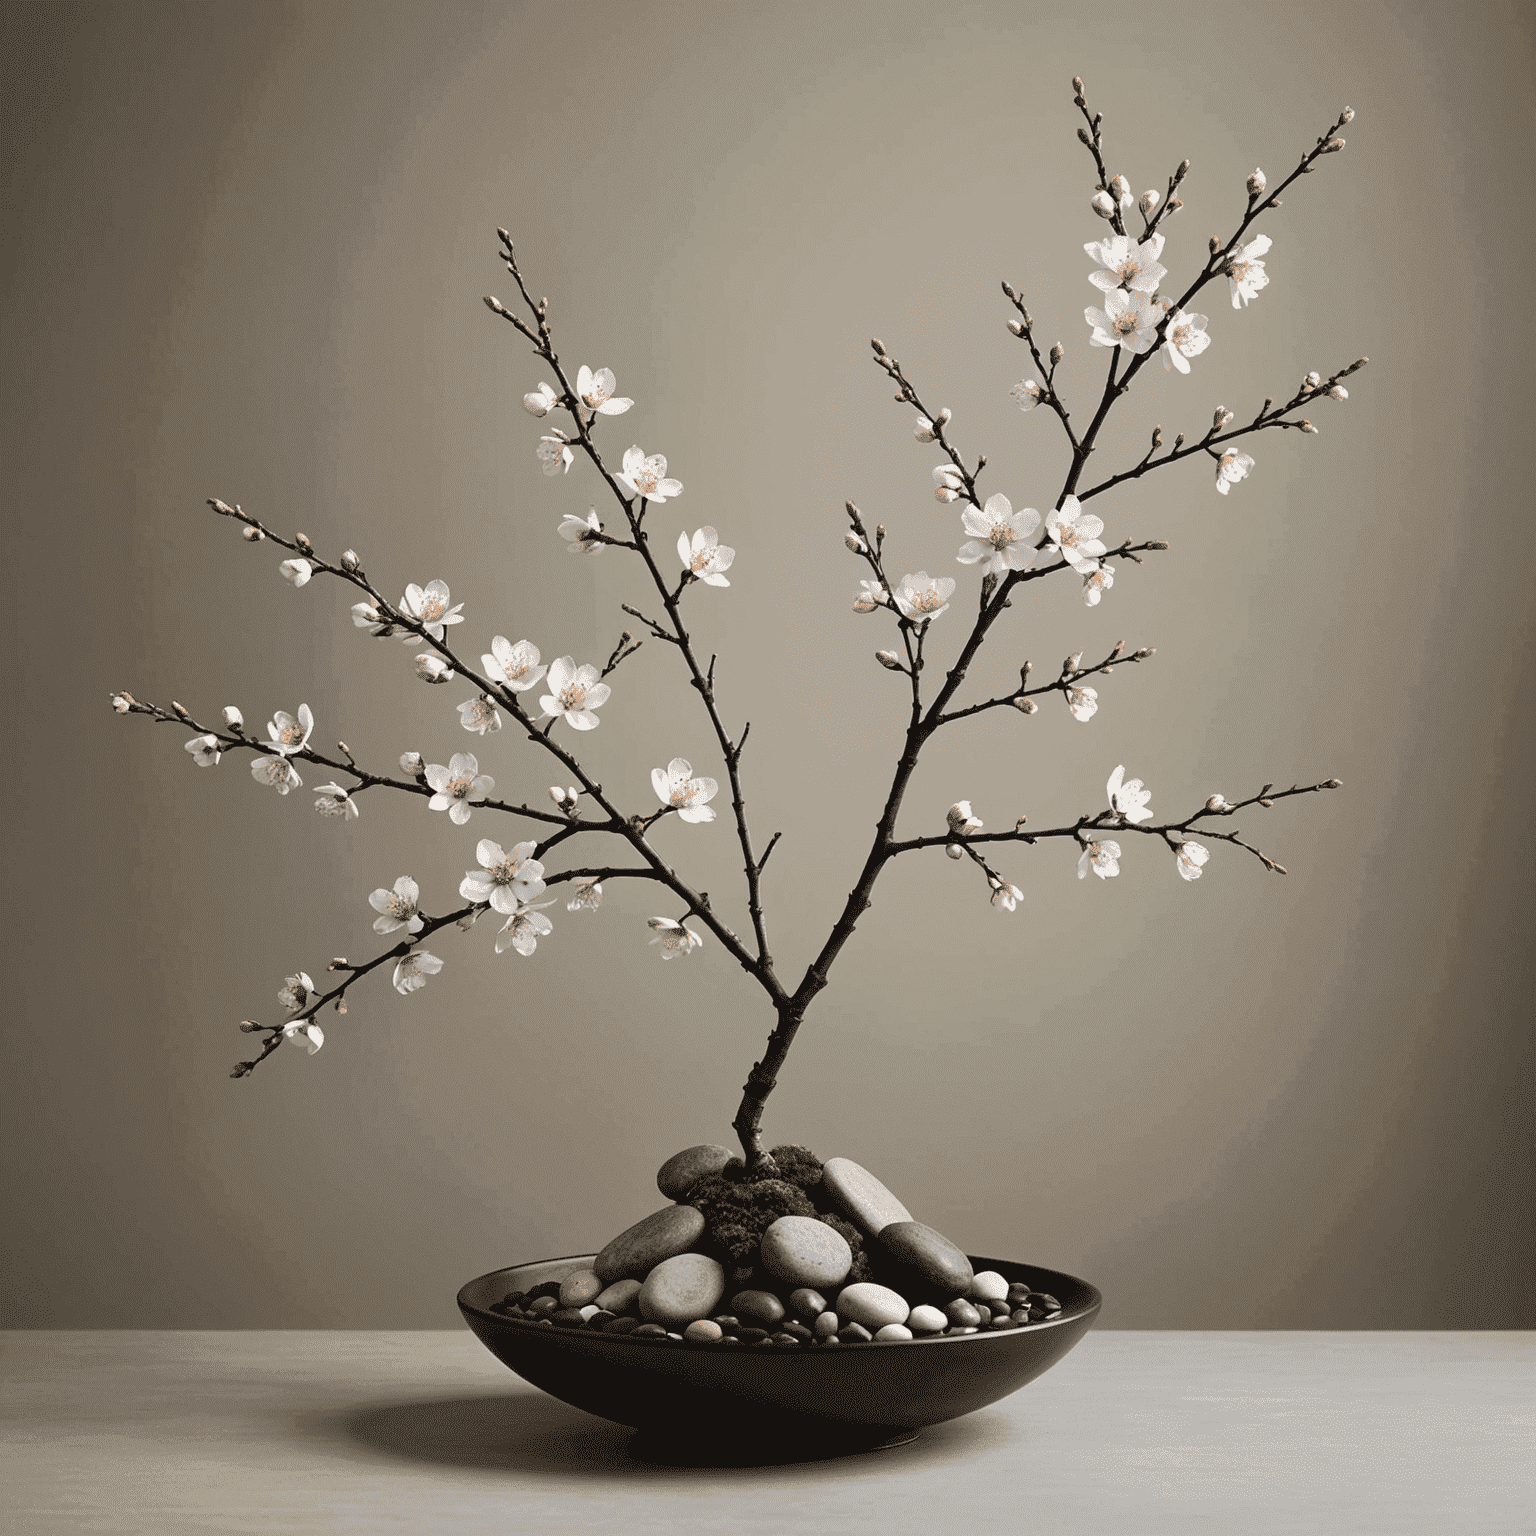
534, 1434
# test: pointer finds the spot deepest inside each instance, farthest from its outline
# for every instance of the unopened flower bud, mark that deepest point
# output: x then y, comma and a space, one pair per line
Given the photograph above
557, 794
302, 540
1057, 353
1222, 418
411, 763
123, 702
572, 795
494, 304
179, 710
1333, 146
1347, 115
1306, 426
943, 493
1216, 803
1149, 200
233, 718
1025, 706
349, 560
1144, 653
1256, 182
1338, 392
432, 669
1333, 784
1313, 379
1182, 171
1157, 437
960, 820
1104, 205
889, 659
1016, 326
252, 535
1174, 204
1120, 190
954, 850
249, 1026
1077, 84
1072, 663
855, 544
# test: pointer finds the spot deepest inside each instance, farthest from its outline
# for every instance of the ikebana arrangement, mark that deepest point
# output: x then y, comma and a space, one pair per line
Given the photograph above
764, 1246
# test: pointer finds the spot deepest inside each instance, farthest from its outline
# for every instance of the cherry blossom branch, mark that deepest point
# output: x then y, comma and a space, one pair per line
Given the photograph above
1071, 676
634, 513
937, 420
1023, 328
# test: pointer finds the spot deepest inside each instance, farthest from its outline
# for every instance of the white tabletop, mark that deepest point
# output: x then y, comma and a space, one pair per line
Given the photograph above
1140, 1433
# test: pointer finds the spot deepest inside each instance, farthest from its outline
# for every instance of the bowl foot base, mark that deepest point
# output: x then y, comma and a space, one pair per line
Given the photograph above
671, 1450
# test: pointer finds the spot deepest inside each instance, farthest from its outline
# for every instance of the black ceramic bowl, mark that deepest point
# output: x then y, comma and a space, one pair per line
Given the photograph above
845, 1395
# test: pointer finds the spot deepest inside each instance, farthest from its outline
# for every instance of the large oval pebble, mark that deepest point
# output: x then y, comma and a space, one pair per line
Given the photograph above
578, 1289
801, 1251
684, 1169
872, 1306
682, 1289
937, 1269
866, 1202
987, 1286
620, 1296
636, 1251
758, 1306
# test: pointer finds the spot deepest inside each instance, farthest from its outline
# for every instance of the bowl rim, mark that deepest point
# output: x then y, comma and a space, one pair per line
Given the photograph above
1066, 1317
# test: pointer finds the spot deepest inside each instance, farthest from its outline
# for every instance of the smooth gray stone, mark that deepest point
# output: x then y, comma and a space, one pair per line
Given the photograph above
872, 1306
682, 1289
620, 1296
760, 1306
578, 1289
636, 1251
684, 1169
861, 1197
938, 1268
801, 1251
806, 1304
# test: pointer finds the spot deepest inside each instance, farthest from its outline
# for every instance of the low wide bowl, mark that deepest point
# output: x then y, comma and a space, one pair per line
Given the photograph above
848, 1393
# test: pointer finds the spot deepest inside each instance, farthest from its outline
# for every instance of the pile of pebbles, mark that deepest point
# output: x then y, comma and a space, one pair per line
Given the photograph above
666, 1277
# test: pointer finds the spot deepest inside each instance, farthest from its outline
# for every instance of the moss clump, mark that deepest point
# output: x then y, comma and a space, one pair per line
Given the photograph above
801, 1167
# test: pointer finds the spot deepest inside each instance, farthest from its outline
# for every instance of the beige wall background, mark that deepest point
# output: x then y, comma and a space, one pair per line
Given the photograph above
245, 253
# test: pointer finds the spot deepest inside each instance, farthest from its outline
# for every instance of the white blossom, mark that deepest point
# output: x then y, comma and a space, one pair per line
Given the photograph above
367, 616
1216, 803
1128, 801
1097, 583
413, 969
523, 930
541, 401
646, 476
705, 557
581, 533
576, 694
458, 786
1006, 897
675, 786
479, 715
505, 878
1075, 534
960, 820
587, 897
1083, 702
1183, 337
397, 908
205, 750
121, 703
1245, 272
921, 596
297, 992
288, 735
1231, 468
429, 604
515, 665
276, 773
233, 718
871, 596
333, 800
433, 669
1028, 393
674, 938
305, 1033
1125, 263
1000, 536
1190, 858
947, 483
554, 455
296, 571
1127, 320
1102, 858
597, 391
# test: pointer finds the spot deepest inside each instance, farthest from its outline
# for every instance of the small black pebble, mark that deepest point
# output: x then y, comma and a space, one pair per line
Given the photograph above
568, 1317
512, 1298
1021, 1315
649, 1331
548, 1288
765, 1343
855, 1333
752, 1335
621, 1325
544, 1306
730, 1338
799, 1330
785, 1341
1001, 1321
599, 1318
543, 1322
727, 1324
962, 1314
1017, 1292
1043, 1300
983, 1314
